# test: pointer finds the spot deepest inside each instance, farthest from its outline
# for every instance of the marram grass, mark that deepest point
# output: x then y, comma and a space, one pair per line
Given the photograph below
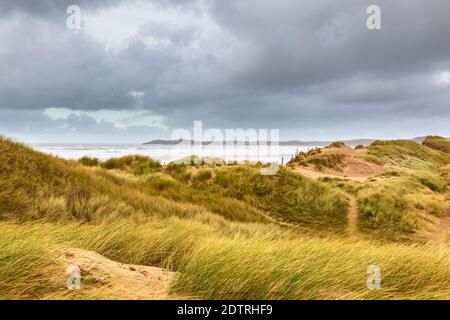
220, 227
241, 262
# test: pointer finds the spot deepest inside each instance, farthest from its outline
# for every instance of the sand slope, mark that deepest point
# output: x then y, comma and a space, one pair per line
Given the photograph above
117, 280
355, 168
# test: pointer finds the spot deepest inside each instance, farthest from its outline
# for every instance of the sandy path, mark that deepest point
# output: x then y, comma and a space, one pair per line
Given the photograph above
436, 229
352, 216
314, 174
442, 231
275, 220
114, 280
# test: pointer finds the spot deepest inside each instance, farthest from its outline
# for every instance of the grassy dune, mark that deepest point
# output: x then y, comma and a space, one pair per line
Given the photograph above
437, 143
218, 228
411, 193
287, 196
405, 151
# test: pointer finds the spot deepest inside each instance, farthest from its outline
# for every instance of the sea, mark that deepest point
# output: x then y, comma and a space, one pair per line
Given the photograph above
168, 153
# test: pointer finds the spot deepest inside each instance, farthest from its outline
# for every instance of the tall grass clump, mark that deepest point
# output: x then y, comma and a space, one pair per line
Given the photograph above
202, 176
135, 164
322, 161
89, 162
179, 171
25, 264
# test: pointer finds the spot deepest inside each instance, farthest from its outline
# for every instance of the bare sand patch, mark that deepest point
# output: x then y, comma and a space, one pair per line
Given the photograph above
352, 216
355, 167
115, 280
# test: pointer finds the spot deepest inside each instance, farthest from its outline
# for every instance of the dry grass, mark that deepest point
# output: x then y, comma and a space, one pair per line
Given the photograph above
437, 143
230, 261
214, 232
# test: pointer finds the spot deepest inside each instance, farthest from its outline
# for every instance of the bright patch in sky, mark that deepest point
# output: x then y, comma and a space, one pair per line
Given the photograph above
120, 119
136, 94
152, 24
442, 79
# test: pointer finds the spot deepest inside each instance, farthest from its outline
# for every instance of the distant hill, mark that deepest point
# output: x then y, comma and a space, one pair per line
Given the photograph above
422, 139
351, 143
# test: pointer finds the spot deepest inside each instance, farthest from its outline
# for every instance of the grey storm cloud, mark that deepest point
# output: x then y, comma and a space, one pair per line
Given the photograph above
49, 8
294, 65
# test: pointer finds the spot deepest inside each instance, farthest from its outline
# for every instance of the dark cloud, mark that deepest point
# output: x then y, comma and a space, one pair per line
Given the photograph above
297, 65
50, 8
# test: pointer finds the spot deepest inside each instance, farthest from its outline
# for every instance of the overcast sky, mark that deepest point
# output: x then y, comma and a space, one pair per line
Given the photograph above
137, 70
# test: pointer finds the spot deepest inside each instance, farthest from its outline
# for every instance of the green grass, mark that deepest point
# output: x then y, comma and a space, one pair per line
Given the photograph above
135, 164
346, 185
322, 161
89, 162
202, 176
179, 171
